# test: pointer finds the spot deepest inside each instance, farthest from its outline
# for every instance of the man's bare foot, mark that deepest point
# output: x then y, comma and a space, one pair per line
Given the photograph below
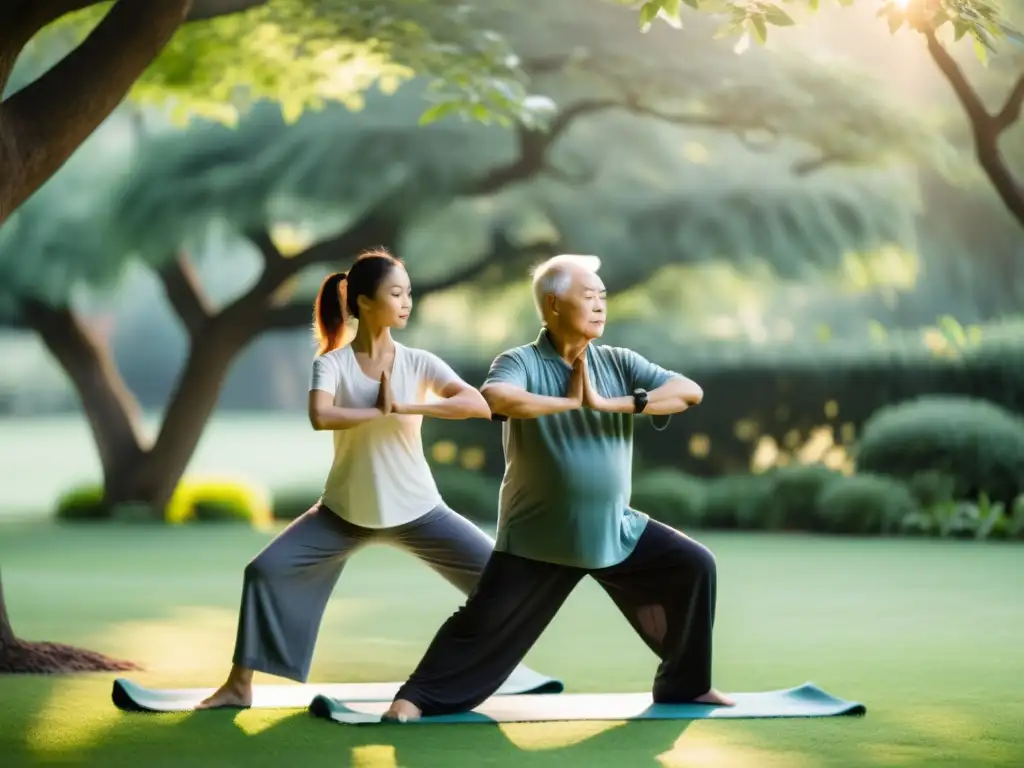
235, 693
401, 711
715, 697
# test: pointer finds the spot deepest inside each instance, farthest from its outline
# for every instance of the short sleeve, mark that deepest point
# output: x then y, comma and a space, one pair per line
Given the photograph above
325, 376
507, 368
643, 373
436, 372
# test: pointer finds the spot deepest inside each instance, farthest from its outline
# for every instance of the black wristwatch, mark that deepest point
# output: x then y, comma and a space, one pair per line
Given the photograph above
639, 400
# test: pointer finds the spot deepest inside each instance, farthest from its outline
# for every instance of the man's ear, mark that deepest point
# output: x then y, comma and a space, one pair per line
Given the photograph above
552, 303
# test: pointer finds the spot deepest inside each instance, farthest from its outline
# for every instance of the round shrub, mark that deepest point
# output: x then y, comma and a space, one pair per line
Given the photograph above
470, 493
670, 497
932, 488
791, 495
865, 504
82, 503
736, 502
977, 443
219, 500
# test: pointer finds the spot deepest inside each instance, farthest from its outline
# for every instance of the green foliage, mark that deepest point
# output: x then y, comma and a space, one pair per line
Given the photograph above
932, 488
84, 503
472, 494
986, 21
671, 497
302, 55
219, 500
736, 502
1015, 524
865, 504
791, 495
976, 442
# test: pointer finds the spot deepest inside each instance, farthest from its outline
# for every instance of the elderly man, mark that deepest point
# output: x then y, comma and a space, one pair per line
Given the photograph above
564, 511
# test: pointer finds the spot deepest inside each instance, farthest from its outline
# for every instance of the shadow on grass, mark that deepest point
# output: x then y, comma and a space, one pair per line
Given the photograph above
256, 738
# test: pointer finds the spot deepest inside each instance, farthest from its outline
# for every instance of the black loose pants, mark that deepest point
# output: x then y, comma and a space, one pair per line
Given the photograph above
665, 589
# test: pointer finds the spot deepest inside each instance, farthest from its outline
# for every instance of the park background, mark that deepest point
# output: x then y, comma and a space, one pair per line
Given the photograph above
804, 228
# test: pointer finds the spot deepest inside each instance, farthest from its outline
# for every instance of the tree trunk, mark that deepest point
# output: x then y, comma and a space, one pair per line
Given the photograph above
7, 638
108, 405
193, 402
22, 657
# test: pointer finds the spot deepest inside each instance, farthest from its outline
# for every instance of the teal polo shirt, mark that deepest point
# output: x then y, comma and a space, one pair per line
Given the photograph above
568, 476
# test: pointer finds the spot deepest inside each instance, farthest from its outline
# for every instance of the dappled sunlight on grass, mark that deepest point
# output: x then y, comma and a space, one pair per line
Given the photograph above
710, 744
374, 756
179, 649
538, 736
253, 722
70, 719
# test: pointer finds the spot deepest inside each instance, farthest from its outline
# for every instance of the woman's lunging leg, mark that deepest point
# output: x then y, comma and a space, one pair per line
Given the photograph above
285, 590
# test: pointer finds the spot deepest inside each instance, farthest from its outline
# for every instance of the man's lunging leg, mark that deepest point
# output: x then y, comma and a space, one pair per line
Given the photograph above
476, 649
667, 590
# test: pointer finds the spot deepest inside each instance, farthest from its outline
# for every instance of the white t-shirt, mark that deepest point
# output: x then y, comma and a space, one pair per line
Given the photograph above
380, 477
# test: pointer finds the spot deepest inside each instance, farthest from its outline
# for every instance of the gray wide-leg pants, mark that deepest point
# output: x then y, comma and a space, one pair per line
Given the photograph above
287, 585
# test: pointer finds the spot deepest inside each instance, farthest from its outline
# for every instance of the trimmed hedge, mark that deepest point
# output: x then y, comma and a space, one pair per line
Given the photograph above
865, 504
671, 497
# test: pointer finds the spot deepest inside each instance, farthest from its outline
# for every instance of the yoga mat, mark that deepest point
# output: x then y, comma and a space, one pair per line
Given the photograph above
803, 701
132, 697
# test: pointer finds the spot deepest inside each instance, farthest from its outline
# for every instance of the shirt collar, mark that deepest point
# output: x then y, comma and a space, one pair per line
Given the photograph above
547, 349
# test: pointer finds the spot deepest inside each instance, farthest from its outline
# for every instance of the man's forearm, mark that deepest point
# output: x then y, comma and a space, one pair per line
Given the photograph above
674, 396
520, 404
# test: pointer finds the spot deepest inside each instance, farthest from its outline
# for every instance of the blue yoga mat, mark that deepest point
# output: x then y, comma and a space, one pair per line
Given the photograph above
803, 701
132, 697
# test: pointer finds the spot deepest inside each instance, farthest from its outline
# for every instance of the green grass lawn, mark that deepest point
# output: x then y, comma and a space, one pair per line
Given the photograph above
928, 634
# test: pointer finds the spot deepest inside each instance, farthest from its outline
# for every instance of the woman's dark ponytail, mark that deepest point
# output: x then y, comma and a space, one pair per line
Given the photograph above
328, 314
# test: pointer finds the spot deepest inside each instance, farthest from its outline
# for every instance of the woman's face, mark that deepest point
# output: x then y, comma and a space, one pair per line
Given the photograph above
392, 304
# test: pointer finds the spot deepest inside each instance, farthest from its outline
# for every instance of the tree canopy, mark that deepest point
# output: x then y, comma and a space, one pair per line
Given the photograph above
217, 57
992, 26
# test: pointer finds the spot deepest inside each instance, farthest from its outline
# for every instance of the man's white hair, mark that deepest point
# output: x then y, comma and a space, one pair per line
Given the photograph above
554, 276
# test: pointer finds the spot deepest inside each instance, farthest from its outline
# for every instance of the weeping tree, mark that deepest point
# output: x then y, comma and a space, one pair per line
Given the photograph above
991, 26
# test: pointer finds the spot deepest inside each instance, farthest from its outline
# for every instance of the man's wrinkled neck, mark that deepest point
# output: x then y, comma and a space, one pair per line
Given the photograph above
568, 346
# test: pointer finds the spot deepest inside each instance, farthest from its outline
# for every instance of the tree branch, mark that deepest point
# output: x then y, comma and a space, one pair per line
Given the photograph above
185, 293
49, 119
1011, 111
812, 165
296, 314
984, 127
535, 144
965, 93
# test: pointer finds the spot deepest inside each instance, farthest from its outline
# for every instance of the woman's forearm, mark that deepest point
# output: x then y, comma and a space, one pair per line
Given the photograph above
468, 404
331, 418
519, 404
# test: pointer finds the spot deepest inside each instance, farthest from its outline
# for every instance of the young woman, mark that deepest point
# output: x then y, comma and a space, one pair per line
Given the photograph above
372, 395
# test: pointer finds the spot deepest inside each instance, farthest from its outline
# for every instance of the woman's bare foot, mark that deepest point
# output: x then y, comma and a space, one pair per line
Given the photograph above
235, 693
401, 711
715, 697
